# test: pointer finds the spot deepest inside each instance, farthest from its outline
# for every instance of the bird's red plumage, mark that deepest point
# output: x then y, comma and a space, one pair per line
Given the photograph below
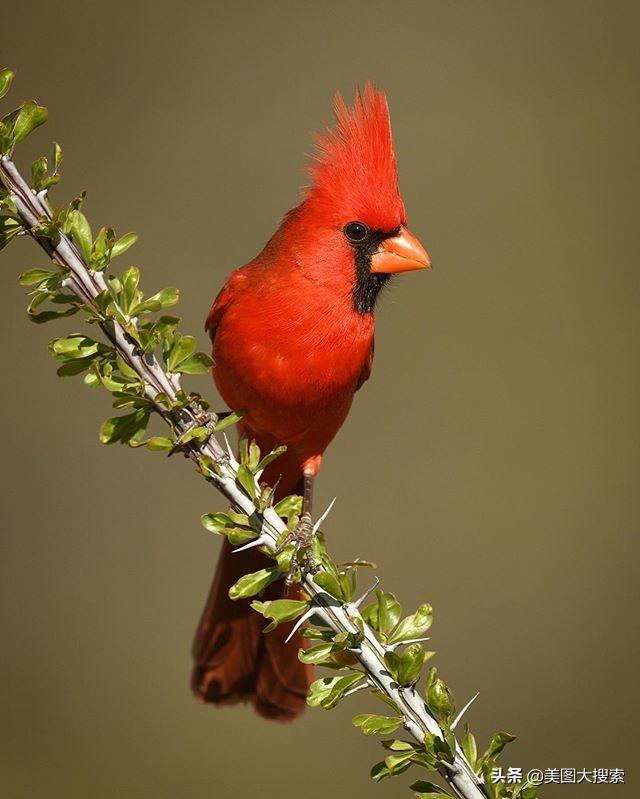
353, 171
290, 350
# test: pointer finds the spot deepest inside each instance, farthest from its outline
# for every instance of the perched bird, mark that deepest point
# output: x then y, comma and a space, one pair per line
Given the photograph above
293, 338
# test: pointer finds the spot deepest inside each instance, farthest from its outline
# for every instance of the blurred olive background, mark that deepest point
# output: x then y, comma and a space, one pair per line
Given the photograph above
491, 464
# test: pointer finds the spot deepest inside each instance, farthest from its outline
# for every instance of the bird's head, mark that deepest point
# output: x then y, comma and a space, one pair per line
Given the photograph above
354, 200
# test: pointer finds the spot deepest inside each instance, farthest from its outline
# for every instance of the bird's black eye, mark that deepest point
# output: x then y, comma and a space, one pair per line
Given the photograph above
356, 232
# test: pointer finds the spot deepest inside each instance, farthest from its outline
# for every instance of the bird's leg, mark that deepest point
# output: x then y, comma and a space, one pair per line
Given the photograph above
302, 535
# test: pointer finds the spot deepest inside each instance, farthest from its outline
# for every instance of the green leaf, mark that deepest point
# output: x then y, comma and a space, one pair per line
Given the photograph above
438, 748
283, 558
92, 380
392, 662
254, 457
384, 614
246, 480
398, 745
327, 691
438, 697
101, 249
167, 297
73, 347
33, 276
181, 348
9, 228
123, 244
410, 664
6, 76
223, 524
197, 364
74, 367
216, 522
124, 428
123, 399
328, 583
163, 299
275, 453
81, 231
159, 444
240, 519
414, 626
371, 724
469, 748
240, 535
289, 506
47, 316
252, 584
498, 743
427, 790
227, 421
44, 316
56, 156
29, 117
38, 172
317, 654
125, 369
130, 279
382, 770
280, 610
347, 580
397, 763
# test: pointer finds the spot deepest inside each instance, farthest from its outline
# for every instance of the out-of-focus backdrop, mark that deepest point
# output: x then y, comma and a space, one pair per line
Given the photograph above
491, 464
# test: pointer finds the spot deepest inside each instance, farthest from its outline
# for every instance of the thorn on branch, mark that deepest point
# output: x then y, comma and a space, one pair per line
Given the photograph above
368, 592
232, 458
316, 526
306, 615
464, 710
258, 542
360, 687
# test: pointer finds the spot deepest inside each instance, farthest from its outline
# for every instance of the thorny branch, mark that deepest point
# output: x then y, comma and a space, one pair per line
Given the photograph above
161, 388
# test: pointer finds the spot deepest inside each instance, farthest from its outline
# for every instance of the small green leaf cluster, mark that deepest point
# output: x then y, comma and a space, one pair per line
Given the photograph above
54, 295
17, 124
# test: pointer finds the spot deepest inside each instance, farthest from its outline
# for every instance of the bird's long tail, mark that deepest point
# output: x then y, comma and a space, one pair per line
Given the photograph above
234, 660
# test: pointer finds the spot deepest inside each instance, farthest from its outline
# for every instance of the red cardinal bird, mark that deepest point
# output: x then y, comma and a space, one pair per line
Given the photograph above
292, 335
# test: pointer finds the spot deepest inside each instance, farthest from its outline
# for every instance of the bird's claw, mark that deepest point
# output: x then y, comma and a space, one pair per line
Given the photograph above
302, 539
203, 419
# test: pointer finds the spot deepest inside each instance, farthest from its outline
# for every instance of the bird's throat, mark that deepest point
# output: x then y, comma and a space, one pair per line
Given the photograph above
368, 284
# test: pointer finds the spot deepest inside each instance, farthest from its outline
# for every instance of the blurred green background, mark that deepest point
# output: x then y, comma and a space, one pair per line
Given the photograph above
491, 464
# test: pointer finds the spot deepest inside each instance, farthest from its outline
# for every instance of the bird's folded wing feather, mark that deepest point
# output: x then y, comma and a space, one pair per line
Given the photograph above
222, 301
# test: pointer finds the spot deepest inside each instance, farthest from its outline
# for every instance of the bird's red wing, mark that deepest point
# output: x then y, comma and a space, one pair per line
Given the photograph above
222, 301
365, 374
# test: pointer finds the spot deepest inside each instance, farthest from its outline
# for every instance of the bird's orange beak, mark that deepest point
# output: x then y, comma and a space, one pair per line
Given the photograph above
401, 253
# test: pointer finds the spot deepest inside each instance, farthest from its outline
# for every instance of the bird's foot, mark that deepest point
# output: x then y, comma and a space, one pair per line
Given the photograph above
201, 419
302, 556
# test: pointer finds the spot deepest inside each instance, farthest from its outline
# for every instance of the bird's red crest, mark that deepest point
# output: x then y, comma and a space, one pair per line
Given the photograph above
354, 169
